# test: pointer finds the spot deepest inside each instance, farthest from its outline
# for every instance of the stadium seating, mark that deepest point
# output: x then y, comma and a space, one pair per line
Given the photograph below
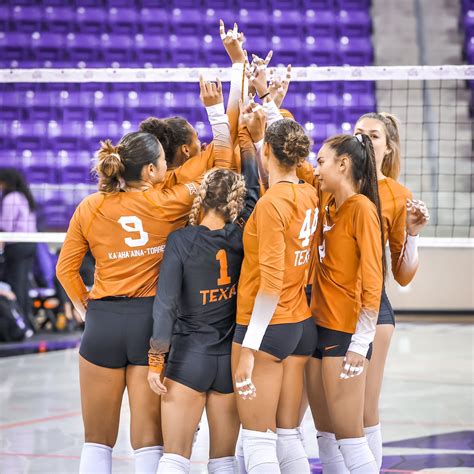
50, 131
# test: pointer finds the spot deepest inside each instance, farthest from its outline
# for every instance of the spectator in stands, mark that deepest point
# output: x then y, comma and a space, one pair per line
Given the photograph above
17, 214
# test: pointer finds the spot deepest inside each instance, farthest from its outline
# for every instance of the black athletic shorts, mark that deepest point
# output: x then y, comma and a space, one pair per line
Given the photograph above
117, 332
386, 314
283, 340
333, 343
201, 372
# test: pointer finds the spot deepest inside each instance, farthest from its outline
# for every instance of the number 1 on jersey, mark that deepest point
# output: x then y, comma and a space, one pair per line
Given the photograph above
224, 278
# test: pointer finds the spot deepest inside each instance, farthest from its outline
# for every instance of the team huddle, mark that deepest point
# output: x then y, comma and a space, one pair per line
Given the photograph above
237, 278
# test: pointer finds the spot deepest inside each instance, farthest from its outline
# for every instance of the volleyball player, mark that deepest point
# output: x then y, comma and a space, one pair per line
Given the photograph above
195, 311
275, 334
126, 228
346, 297
401, 229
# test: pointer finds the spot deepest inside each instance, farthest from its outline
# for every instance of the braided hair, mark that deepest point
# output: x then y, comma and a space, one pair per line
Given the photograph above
221, 190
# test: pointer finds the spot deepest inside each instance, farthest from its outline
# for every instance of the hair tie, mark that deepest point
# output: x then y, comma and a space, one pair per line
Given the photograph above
360, 139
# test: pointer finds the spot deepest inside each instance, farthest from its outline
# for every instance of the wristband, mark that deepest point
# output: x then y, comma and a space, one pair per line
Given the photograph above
264, 95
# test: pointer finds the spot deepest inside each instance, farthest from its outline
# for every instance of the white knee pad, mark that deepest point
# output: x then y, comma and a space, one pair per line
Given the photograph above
147, 459
260, 452
330, 455
227, 465
96, 459
173, 464
290, 451
239, 454
373, 434
358, 456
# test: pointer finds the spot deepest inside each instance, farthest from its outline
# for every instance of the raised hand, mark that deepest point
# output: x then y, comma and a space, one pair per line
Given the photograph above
278, 88
417, 216
210, 92
253, 118
233, 41
258, 80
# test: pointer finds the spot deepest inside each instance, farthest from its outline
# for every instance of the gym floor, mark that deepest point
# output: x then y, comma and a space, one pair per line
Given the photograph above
427, 408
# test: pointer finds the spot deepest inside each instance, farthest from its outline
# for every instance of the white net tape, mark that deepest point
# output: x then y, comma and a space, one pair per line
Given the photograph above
299, 74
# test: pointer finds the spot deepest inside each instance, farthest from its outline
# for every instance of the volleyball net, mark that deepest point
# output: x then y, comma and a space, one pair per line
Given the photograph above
53, 120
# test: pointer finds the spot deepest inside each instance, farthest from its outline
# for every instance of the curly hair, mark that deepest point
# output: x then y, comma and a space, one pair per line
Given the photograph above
288, 141
222, 190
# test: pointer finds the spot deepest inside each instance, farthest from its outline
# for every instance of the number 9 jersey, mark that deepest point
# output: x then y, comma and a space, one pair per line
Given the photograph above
278, 241
126, 233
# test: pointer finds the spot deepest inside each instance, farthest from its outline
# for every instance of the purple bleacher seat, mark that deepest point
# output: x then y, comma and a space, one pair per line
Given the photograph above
55, 214
154, 21
151, 49
66, 136
285, 4
319, 4
28, 135
155, 3
355, 87
14, 46
319, 23
319, 51
218, 5
184, 49
123, 20
47, 46
74, 167
286, 50
354, 4
186, 22
26, 18
212, 16
287, 23
82, 47
355, 51
4, 17
352, 106
259, 46
250, 27
10, 159
469, 24
116, 48
213, 52
39, 166
91, 20
58, 19
354, 23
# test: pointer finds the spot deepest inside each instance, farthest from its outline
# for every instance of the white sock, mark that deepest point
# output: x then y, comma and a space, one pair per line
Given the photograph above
358, 456
147, 459
225, 465
290, 451
374, 438
173, 464
239, 454
301, 435
260, 452
329, 454
96, 459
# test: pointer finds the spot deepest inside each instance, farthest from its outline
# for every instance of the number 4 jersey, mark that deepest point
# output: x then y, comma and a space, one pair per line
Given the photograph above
278, 241
126, 233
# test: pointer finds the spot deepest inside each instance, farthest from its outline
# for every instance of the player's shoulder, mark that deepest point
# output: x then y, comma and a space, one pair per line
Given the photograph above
94, 200
396, 189
361, 203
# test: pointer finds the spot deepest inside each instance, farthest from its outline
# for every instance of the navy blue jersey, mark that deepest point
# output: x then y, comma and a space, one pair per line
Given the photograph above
195, 305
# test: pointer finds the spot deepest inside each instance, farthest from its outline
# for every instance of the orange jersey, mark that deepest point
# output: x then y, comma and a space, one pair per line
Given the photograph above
212, 156
349, 271
126, 233
393, 199
277, 249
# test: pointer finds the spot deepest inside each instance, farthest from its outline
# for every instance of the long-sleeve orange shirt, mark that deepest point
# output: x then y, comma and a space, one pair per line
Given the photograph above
277, 249
126, 233
349, 272
393, 198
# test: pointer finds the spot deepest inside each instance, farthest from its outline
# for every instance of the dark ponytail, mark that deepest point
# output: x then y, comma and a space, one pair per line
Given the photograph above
360, 150
14, 181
